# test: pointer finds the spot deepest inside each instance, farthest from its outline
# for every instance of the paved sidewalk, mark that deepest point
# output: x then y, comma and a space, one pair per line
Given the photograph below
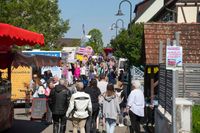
23, 124
69, 129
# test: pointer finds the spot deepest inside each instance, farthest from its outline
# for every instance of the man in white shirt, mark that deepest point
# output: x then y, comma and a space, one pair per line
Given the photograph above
135, 105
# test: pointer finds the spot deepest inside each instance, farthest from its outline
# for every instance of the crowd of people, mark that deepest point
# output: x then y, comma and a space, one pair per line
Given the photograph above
87, 94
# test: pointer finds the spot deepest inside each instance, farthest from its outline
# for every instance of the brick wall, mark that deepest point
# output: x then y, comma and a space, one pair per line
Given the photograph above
189, 40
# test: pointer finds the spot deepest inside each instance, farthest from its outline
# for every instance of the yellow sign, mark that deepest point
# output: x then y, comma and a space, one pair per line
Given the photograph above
19, 78
149, 70
81, 57
155, 70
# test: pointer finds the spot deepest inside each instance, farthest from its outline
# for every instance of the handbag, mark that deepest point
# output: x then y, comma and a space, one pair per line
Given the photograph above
127, 120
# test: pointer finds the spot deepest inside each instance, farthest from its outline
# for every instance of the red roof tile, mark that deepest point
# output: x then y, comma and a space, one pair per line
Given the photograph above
189, 40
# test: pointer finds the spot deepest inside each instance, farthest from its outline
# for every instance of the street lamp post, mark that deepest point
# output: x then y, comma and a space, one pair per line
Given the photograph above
121, 22
119, 13
114, 25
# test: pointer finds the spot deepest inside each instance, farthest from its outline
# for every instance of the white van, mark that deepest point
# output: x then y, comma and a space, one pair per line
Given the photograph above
121, 64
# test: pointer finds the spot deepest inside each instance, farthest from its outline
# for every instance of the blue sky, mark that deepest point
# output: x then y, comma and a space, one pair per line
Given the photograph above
98, 14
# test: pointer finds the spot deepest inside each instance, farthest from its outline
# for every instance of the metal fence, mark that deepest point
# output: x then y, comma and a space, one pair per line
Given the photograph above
165, 88
136, 73
184, 83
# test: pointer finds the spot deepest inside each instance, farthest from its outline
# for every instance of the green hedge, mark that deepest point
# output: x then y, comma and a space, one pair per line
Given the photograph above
196, 119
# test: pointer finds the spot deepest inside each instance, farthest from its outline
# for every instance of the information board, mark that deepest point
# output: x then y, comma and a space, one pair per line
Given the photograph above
39, 108
174, 56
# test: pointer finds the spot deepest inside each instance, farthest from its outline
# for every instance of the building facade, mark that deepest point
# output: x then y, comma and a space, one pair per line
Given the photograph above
179, 11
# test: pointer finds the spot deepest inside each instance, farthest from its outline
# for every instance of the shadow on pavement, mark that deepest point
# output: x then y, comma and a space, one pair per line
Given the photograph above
27, 126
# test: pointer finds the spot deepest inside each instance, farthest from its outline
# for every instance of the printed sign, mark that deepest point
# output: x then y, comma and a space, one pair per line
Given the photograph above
85, 51
174, 56
39, 108
47, 53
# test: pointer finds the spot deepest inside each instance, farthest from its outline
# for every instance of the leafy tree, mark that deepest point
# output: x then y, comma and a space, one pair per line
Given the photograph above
40, 16
96, 40
128, 44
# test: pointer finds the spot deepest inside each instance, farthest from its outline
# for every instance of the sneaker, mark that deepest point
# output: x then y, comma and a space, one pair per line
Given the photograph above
121, 125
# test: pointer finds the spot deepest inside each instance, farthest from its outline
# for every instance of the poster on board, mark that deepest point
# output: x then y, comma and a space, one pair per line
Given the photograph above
39, 108
174, 56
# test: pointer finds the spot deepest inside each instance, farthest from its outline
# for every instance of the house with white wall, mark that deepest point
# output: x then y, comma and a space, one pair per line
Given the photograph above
179, 11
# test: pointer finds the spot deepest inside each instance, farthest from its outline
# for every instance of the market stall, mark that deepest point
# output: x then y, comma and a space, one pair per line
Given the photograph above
10, 36
22, 71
